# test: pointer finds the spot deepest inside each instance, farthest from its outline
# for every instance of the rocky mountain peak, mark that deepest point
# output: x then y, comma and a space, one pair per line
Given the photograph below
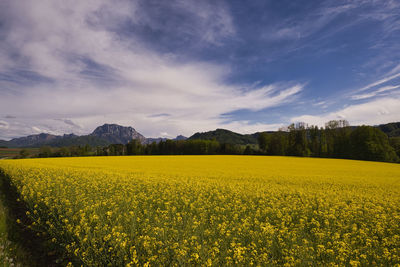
117, 134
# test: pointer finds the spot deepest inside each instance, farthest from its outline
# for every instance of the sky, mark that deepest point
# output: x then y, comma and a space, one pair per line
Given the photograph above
180, 66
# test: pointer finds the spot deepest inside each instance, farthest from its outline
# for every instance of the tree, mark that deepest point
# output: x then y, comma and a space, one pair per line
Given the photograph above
62, 152
278, 143
100, 151
370, 143
24, 153
315, 141
134, 147
116, 149
152, 149
323, 152
263, 142
45, 152
337, 134
395, 143
341, 146
298, 141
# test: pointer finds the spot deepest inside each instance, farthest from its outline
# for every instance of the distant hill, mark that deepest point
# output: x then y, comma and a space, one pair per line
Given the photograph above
45, 139
74, 140
390, 129
159, 139
102, 136
33, 140
226, 136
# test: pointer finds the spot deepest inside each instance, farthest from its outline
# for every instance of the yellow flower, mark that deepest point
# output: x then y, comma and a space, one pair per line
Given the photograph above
234, 210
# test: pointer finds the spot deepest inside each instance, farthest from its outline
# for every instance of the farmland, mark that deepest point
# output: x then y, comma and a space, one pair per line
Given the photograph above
211, 210
13, 152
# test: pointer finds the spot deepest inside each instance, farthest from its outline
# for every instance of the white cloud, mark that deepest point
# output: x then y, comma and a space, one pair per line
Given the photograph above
383, 110
4, 125
247, 127
65, 41
36, 129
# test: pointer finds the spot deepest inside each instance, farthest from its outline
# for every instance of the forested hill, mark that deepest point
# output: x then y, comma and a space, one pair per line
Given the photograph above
391, 129
229, 137
226, 137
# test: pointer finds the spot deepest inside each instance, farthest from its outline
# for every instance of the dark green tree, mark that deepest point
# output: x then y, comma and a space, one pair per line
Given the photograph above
45, 152
24, 153
395, 143
264, 140
370, 143
298, 141
279, 143
62, 152
134, 147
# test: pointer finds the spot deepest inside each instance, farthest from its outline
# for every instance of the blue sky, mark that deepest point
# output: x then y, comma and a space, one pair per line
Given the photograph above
178, 67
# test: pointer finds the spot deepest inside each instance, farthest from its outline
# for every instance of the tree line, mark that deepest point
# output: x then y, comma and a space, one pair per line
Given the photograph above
336, 140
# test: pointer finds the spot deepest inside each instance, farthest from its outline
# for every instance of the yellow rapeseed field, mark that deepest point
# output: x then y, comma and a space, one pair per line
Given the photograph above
213, 210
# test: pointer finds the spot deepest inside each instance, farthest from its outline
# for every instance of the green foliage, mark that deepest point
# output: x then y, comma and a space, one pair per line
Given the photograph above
226, 137
264, 140
370, 143
24, 153
134, 147
279, 144
71, 151
62, 152
395, 143
189, 147
337, 140
45, 152
391, 129
298, 142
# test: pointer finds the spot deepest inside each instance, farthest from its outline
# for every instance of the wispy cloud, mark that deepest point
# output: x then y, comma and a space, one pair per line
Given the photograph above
379, 82
378, 88
314, 27
70, 123
304, 25
376, 92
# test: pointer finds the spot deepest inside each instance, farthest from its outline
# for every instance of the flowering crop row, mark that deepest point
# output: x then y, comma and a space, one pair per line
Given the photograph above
213, 210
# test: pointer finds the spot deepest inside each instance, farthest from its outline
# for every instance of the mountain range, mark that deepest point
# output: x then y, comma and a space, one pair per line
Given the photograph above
102, 136
116, 134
